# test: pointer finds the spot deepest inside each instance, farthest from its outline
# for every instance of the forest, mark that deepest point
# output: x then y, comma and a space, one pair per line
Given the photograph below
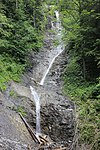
21, 30
23, 24
81, 21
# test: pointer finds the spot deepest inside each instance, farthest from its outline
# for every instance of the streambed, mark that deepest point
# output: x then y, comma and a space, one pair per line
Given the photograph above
57, 111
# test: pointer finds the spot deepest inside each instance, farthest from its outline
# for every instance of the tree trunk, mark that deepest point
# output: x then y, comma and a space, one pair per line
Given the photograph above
16, 4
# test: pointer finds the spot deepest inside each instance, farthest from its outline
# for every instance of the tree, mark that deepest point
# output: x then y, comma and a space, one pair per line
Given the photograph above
20, 27
81, 22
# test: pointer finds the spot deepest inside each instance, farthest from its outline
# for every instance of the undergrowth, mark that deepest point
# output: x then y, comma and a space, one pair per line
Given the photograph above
9, 70
87, 98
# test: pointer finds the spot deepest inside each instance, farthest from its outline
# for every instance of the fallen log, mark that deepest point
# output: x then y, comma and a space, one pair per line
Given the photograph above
43, 139
30, 130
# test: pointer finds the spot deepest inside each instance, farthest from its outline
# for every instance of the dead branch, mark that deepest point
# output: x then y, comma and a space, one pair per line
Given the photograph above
30, 130
42, 138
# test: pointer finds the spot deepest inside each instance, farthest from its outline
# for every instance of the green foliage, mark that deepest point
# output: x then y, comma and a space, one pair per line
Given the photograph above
86, 97
21, 30
21, 110
9, 69
13, 93
89, 121
55, 42
81, 22
96, 91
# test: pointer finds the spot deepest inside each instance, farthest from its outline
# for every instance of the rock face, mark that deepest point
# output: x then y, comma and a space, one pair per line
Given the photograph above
13, 133
57, 111
57, 121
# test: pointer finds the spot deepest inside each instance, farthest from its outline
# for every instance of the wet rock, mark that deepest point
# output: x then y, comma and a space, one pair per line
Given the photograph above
13, 133
57, 122
21, 90
57, 116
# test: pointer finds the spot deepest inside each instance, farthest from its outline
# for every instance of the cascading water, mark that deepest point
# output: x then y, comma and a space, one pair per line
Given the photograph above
57, 15
50, 65
37, 103
59, 48
58, 24
58, 51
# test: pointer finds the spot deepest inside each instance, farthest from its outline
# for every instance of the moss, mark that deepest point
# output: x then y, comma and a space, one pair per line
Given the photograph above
13, 93
21, 110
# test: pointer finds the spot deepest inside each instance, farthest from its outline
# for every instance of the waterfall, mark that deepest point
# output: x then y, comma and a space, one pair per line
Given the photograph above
50, 65
37, 103
57, 15
58, 50
52, 25
58, 24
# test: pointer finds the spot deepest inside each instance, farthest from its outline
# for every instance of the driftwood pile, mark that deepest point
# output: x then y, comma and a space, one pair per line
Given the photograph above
44, 142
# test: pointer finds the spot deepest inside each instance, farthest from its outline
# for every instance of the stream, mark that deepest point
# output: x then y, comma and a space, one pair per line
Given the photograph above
58, 50
39, 98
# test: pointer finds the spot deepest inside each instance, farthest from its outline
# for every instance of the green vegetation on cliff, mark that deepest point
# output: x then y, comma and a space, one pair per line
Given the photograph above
81, 22
22, 26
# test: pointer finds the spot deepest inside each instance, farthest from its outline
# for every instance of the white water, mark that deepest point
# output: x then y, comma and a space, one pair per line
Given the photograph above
52, 26
58, 51
37, 103
58, 24
57, 15
50, 65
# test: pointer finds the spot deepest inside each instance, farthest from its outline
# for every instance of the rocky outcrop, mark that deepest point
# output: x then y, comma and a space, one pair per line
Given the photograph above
57, 111
13, 133
57, 121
